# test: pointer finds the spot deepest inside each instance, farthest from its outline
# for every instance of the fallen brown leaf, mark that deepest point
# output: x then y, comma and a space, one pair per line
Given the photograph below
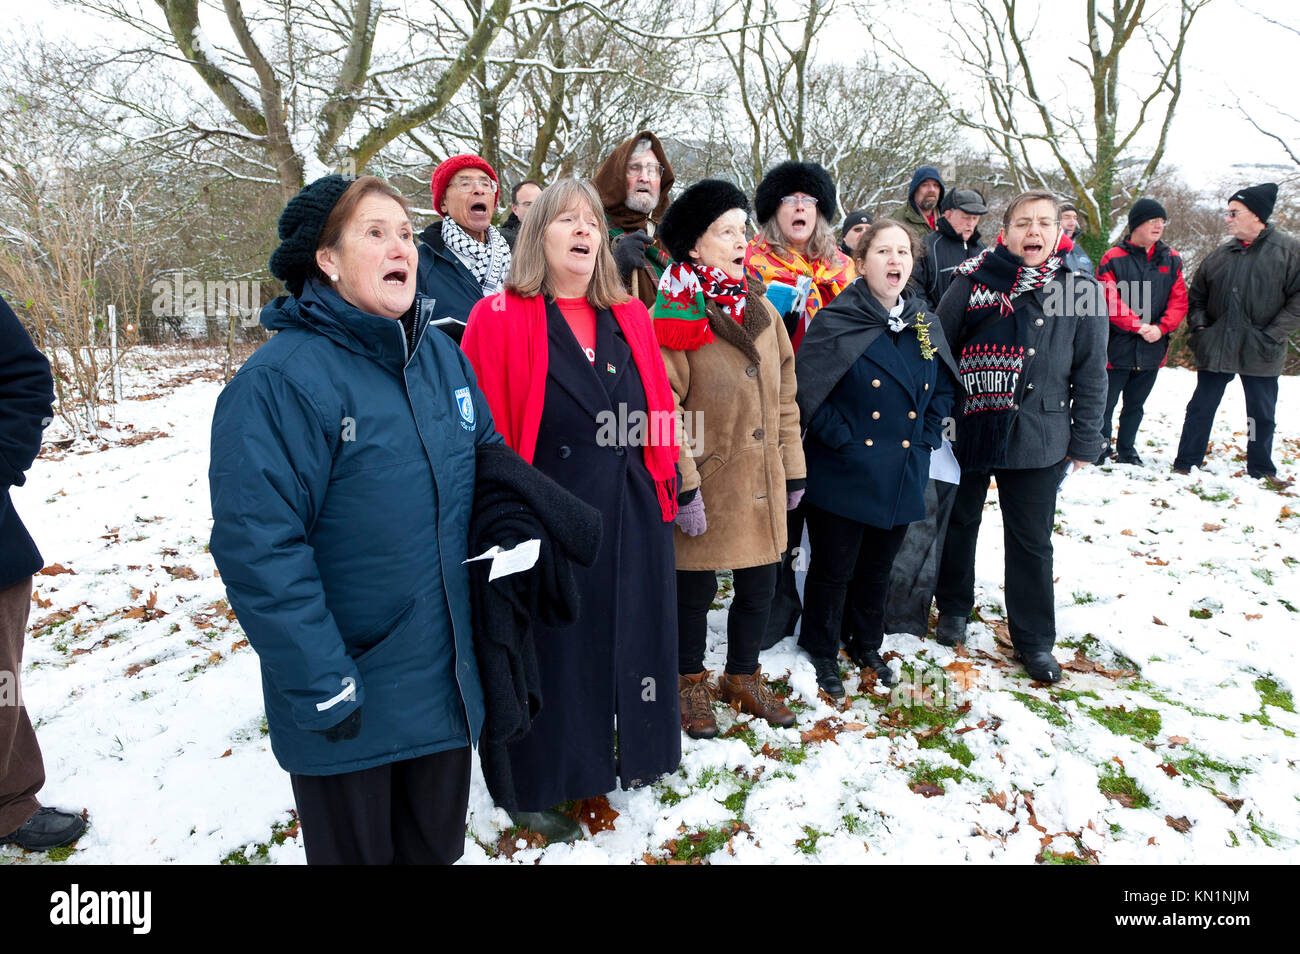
1158, 621
928, 789
1177, 740
1180, 823
181, 573
54, 569
1126, 533
1169, 770
225, 753
1211, 527
1233, 803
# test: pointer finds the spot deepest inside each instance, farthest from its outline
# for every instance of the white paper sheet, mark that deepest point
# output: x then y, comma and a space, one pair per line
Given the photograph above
516, 560
944, 466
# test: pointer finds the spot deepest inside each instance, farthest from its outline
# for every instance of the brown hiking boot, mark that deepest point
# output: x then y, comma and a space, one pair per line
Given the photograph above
696, 693
753, 695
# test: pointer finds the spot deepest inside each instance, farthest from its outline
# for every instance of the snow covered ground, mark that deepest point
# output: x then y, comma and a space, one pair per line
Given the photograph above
1177, 607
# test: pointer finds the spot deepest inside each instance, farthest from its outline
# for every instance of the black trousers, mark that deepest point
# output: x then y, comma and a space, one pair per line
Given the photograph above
845, 551
1261, 405
786, 606
404, 813
746, 617
916, 567
1136, 387
1028, 502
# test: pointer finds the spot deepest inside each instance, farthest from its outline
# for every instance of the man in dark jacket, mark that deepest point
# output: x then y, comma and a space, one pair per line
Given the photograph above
955, 239
26, 400
634, 183
851, 229
522, 196
920, 213
1030, 341
1243, 307
1147, 298
463, 256
1076, 259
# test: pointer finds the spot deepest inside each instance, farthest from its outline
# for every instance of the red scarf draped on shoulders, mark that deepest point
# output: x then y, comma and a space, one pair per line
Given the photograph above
505, 341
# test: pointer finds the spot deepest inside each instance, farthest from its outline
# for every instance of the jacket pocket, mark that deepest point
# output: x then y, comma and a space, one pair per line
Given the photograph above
710, 466
374, 639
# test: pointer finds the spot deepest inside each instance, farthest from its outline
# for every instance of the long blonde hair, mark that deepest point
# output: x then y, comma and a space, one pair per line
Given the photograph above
529, 274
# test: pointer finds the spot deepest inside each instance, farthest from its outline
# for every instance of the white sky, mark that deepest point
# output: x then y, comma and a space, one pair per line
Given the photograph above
1232, 53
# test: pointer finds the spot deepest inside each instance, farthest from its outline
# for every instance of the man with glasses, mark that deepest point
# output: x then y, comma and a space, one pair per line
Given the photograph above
1243, 308
522, 196
463, 257
634, 182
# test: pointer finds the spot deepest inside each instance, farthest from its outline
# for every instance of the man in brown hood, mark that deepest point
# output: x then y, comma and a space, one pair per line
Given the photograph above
634, 182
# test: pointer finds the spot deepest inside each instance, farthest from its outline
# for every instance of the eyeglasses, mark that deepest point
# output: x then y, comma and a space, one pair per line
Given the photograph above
470, 185
1233, 213
1044, 224
798, 200
651, 170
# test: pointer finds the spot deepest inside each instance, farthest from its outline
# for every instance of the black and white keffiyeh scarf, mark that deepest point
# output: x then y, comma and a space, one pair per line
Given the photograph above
489, 261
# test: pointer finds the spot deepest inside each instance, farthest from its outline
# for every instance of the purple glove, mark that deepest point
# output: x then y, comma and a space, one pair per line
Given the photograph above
691, 517
792, 498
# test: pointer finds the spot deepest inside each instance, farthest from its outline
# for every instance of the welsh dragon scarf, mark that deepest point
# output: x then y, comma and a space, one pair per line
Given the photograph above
489, 261
991, 352
681, 322
829, 277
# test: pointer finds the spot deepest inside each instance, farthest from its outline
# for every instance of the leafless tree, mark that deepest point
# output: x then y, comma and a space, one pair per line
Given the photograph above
1029, 125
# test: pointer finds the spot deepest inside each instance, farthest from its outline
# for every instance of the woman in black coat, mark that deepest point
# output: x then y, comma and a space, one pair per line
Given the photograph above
571, 366
876, 383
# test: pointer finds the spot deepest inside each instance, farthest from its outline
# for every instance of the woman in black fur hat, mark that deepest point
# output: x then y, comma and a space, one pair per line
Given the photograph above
795, 203
731, 368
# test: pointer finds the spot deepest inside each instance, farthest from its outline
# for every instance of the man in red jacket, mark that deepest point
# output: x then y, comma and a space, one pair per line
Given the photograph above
1147, 298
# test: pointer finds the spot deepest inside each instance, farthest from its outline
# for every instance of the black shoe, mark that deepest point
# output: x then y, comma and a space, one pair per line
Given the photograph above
871, 660
1041, 666
828, 676
48, 828
950, 630
552, 825
1133, 459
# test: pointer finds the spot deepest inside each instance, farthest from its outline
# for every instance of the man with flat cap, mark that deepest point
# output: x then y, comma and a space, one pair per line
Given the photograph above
1243, 307
955, 239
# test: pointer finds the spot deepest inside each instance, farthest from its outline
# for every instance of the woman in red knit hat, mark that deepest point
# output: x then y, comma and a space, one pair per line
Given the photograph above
463, 257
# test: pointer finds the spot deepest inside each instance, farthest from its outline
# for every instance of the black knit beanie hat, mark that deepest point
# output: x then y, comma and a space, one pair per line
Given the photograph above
1260, 199
1144, 210
856, 217
301, 224
697, 208
789, 178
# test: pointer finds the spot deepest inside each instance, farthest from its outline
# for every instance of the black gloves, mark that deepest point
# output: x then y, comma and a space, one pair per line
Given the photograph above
629, 254
346, 730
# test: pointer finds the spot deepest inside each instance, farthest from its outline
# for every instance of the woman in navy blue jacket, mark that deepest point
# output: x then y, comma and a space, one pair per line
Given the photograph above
876, 382
342, 478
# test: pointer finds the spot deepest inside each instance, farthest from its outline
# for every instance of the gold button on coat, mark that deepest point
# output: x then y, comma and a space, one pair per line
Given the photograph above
869, 441
907, 443
927, 385
875, 415
875, 383
912, 415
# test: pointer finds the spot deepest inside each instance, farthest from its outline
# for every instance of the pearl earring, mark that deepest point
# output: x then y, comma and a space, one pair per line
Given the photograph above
334, 278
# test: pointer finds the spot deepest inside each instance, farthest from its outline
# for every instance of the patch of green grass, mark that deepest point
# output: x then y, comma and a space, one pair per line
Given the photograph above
1115, 781
1196, 765
60, 855
1138, 722
936, 774
1270, 694
1070, 695
1236, 842
1201, 492
669, 797
1084, 598
1262, 574
1290, 608
853, 824
1260, 832
701, 844
1050, 857
1201, 613
1116, 829
260, 854
1043, 709
808, 843
1146, 688
1290, 561
958, 749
